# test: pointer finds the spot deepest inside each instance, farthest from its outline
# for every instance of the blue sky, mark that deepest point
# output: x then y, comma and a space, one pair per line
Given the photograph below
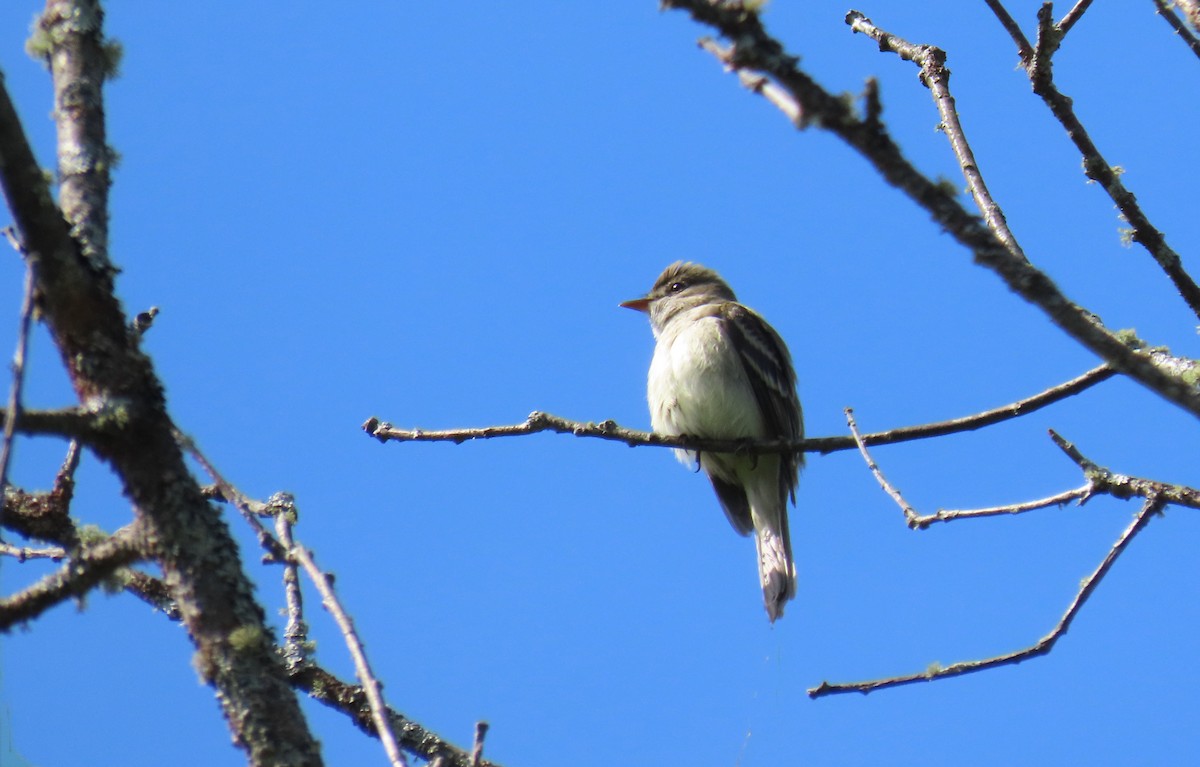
429, 212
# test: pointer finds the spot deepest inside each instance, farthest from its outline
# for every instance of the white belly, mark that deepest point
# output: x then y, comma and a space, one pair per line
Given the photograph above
697, 386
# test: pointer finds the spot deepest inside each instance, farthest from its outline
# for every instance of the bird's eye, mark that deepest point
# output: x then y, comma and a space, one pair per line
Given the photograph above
676, 287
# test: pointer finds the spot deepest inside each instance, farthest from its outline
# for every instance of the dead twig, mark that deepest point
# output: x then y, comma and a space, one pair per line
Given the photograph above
1151, 507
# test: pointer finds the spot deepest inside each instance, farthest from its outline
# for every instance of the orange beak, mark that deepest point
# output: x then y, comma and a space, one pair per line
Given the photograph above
637, 304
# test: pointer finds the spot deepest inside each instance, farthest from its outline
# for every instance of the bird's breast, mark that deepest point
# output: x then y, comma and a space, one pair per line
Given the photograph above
698, 386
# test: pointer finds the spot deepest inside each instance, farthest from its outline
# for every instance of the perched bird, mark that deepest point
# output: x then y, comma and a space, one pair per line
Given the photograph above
720, 371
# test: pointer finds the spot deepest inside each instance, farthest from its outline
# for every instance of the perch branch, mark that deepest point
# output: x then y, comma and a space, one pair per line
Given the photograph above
538, 422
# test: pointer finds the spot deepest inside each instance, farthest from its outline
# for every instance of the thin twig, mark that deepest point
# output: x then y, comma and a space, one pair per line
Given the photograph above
295, 633
286, 550
250, 510
1151, 507
949, 515
83, 572
370, 685
12, 412
1185, 34
1098, 169
1073, 16
910, 514
22, 553
324, 687
759, 84
481, 729
538, 422
1024, 49
932, 63
1125, 486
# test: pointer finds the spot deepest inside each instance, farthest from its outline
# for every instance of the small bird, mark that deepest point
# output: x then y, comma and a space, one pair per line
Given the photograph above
720, 371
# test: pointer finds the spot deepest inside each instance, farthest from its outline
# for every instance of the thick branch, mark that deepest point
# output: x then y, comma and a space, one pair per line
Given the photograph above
756, 51
109, 371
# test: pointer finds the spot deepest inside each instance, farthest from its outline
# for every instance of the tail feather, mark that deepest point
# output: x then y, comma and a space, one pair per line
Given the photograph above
776, 570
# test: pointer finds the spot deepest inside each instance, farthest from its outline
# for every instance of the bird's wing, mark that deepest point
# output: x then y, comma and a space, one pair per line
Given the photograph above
769, 367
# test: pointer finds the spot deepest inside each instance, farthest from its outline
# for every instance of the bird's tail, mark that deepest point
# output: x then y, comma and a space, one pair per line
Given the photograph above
776, 570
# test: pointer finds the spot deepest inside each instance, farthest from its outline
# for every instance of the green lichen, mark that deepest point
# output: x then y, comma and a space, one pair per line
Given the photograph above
90, 535
246, 638
1129, 337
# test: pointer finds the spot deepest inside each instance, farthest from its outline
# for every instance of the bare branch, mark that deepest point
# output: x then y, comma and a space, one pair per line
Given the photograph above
949, 515
538, 422
1185, 34
756, 51
1072, 17
45, 516
109, 371
481, 729
1024, 49
79, 65
910, 514
1098, 169
18, 371
759, 84
352, 700
1151, 507
326, 688
1124, 486
934, 75
324, 586
85, 570
22, 553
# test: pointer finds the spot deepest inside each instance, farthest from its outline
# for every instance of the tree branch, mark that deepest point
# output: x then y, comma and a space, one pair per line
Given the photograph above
1043, 646
1181, 30
1096, 168
45, 516
934, 75
18, 374
73, 43
108, 371
362, 667
1072, 17
756, 51
910, 514
85, 570
609, 430
1024, 49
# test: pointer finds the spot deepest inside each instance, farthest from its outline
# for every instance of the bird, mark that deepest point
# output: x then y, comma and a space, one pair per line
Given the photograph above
720, 371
